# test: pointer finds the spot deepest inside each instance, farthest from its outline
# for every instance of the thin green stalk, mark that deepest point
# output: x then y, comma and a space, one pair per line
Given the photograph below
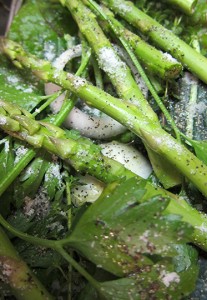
193, 99
16, 170
56, 120
126, 113
113, 24
34, 290
187, 6
98, 75
120, 77
85, 58
86, 157
161, 36
23, 283
78, 267
109, 61
27, 237
154, 61
46, 103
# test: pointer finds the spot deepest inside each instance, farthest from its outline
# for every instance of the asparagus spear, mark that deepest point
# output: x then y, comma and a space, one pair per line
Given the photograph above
109, 61
24, 285
155, 61
161, 36
121, 78
187, 6
85, 156
124, 112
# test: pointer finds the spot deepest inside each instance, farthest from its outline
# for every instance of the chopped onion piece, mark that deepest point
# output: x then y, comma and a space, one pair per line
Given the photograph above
130, 157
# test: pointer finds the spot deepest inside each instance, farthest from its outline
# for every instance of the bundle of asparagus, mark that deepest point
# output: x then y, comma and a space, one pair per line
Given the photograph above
172, 161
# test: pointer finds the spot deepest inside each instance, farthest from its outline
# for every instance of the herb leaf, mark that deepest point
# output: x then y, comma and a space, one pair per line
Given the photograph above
124, 237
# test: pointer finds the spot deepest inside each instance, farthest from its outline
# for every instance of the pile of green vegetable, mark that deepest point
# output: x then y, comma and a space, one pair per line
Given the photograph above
75, 76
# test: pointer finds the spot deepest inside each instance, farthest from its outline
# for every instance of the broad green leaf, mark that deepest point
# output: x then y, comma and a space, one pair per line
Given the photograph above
160, 281
37, 27
120, 235
19, 87
35, 33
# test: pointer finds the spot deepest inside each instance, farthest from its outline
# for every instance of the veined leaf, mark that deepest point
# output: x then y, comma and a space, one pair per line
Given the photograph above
160, 281
120, 235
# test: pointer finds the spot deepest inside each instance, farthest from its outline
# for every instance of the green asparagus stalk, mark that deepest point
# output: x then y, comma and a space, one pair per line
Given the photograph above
154, 61
85, 156
187, 6
14, 272
167, 175
109, 61
124, 112
121, 78
161, 36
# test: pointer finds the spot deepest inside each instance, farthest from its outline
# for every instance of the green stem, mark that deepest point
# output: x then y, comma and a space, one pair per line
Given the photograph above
161, 36
98, 75
109, 61
187, 6
153, 60
57, 120
76, 266
113, 25
46, 103
16, 170
27, 237
23, 283
193, 98
124, 112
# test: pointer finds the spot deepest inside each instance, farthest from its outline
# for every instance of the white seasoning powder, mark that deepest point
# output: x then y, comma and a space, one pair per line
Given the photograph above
111, 63
168, 278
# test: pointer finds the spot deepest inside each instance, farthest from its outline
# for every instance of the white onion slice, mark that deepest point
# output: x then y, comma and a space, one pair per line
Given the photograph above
88, 190
130, 157
89, 124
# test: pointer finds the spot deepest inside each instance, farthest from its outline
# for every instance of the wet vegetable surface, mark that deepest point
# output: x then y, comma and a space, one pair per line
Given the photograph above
141, 66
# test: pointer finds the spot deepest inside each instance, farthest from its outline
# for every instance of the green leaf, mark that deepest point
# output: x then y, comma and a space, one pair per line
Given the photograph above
200, 148
37, 26
18, 87
6, 156
53, 181
120, 235
35, 33
29, 182
159, 281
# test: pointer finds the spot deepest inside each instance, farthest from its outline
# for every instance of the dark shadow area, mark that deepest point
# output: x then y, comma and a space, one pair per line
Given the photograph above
4, 14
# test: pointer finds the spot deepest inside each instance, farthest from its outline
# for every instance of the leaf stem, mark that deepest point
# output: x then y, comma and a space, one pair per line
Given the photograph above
76, 266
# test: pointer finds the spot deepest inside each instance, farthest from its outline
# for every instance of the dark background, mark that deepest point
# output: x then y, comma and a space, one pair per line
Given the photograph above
4, 14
